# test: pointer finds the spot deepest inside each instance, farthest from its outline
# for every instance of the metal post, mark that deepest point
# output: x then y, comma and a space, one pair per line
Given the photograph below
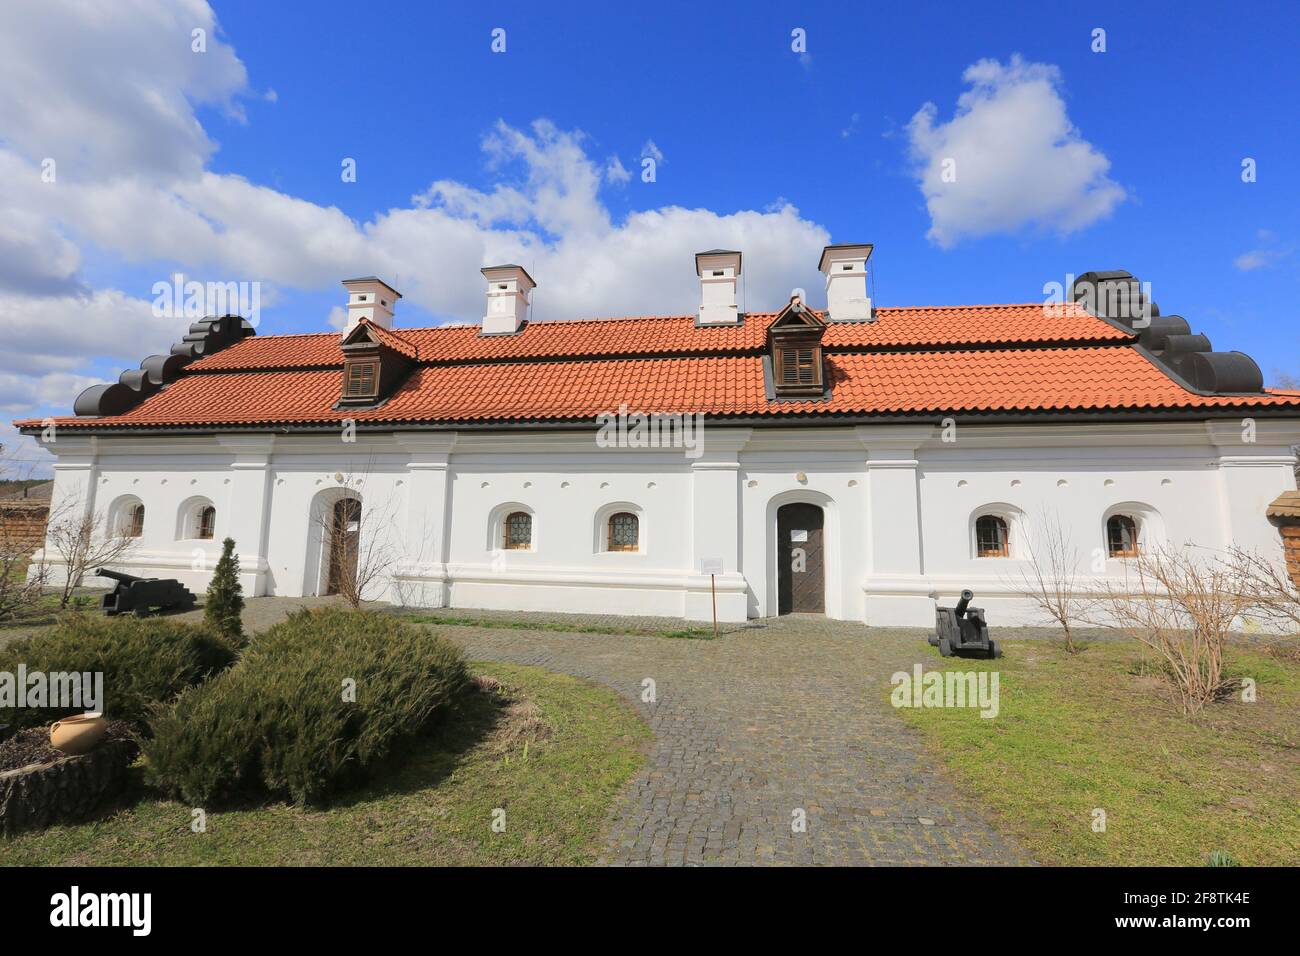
713, 586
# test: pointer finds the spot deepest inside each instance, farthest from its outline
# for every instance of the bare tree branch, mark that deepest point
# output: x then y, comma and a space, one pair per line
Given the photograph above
23, 574
375, 552
1051, 580
1269, 592
1183, 607
83, 541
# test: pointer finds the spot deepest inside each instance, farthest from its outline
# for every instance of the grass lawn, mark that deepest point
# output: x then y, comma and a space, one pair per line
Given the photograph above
1101, 730
552, 751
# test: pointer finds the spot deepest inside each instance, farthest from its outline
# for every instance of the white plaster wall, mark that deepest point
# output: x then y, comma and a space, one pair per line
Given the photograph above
899, 503
1172, 479
565, 483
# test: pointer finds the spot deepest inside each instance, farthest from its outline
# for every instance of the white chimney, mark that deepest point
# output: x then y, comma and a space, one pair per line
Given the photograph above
507, 298
845, 268
718, 270
370, 298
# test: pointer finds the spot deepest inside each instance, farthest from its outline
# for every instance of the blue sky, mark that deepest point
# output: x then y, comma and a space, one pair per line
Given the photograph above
236, 176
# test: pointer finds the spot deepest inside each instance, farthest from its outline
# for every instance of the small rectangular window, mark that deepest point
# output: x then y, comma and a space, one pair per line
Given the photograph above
798, 366
519, 531
361, 379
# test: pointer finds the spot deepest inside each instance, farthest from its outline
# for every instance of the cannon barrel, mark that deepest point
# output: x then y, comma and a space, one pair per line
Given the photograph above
966, 596
118, 575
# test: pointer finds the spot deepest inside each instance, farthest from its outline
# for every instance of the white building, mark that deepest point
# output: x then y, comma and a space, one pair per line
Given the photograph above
863, 462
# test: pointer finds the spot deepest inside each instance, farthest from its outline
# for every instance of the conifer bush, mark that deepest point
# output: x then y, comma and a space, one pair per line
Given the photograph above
315, 705
225, 599
145, 662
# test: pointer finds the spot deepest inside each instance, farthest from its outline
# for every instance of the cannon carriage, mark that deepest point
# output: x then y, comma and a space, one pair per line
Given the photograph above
140, 596
962, 630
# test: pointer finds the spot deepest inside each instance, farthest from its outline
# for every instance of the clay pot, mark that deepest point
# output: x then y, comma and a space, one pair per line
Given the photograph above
78, 735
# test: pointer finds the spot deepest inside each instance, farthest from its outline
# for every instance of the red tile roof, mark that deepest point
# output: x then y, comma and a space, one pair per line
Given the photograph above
877, 383
944, 326
941, 360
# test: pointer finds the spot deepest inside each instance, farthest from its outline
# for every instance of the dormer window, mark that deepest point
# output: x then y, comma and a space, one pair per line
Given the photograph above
795, 343
372, 364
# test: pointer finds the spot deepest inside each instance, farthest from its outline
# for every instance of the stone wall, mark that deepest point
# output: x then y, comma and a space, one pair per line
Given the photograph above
22, 523
1291, 548
64, 791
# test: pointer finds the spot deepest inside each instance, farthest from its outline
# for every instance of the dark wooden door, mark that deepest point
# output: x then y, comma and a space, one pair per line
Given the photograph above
801, 578
345, 532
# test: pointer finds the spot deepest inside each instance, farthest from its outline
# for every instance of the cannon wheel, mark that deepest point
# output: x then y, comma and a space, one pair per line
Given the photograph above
945, 649
142, 611
995, 649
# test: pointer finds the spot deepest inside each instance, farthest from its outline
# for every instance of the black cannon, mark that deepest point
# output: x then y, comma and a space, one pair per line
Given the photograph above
141, 595
962, 630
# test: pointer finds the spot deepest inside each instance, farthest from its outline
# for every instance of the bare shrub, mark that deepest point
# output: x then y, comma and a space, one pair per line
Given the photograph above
1270, 594
22, 579
22, 582
372, 550
1182, 606
83, 541
1051, 580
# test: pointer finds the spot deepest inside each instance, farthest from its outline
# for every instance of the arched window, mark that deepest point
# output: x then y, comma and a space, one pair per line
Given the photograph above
133, 520
206, 524
991, 537
518, 531
624, 532
196, 519
1121, 536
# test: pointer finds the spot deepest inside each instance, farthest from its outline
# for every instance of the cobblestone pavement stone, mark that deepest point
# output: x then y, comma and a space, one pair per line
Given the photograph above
781, 714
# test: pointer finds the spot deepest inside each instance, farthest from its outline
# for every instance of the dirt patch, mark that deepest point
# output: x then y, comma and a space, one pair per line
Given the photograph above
522, 725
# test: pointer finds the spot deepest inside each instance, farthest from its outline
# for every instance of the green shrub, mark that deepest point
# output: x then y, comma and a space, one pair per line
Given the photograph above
278, 723
145, 662
225, 599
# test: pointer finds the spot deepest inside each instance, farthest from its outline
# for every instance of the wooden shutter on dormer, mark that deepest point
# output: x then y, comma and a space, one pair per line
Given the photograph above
361, 378
798, 365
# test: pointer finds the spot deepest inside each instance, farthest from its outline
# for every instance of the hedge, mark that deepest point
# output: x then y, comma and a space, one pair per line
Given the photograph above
145, 662
280, 722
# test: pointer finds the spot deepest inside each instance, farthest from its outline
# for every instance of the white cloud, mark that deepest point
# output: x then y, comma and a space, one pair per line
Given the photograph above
106, 89
60, 333
615, 171
18, 393
1267, 253
651, 151
1018, 160
543, 209
21, 456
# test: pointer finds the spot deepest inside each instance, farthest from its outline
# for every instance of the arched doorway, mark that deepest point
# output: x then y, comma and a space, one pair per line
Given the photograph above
344, 535
801, 559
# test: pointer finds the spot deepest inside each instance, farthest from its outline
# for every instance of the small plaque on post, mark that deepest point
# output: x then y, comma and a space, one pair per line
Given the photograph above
710, 565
